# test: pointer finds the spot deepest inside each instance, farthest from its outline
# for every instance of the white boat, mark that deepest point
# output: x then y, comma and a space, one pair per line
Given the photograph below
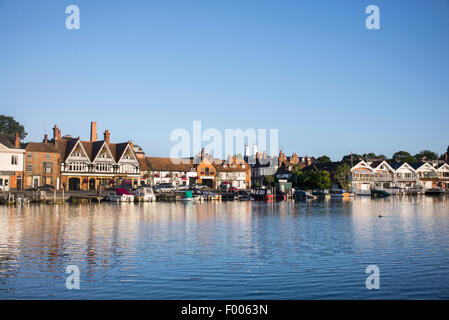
120, 195
145, 194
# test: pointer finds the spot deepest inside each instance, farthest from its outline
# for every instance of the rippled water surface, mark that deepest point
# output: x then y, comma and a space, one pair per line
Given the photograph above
227, 250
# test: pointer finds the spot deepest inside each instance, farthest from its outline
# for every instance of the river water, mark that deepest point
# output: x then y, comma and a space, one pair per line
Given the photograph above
228, 250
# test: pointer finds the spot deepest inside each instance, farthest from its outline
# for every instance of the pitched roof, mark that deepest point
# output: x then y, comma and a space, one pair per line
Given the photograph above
169, 164
8, 140
40, 147
233, 167
376, 163
65, 147
417, 165
144, 164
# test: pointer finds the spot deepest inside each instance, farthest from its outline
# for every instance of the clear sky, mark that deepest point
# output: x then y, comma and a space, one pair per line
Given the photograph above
308, 68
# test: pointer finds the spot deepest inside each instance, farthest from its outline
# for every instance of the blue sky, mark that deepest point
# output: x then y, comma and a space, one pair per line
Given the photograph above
308, 68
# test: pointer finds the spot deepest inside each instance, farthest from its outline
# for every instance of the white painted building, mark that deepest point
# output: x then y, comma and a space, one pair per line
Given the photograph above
11, 162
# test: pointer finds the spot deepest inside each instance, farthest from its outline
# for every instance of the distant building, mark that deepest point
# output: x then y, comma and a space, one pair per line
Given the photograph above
235, 172
11, 162
262, 166
178, 172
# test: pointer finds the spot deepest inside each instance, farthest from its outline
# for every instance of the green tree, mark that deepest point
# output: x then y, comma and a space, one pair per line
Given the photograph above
324, 159
355, 158
427, 155
372, 155
404, 156
269, 180
342, 175
311, 179
10, 126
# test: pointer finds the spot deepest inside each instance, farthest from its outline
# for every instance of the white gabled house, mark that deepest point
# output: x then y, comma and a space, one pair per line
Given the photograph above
443, 176
383, 174
362, 178
405, 176
87, 165
427, 174
12, 154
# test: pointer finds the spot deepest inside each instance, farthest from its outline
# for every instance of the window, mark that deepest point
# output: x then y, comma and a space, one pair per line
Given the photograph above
77, 166
30, 155
47, 167
14, 160
47, 156
30, 167
105, 167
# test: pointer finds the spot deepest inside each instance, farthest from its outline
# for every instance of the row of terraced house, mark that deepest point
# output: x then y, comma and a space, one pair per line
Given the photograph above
400, 177
69, 163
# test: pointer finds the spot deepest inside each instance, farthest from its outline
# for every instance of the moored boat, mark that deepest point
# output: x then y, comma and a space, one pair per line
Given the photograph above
433, 192
262, 194
339, 193
379, 193
303, 195
120, 195
145, 194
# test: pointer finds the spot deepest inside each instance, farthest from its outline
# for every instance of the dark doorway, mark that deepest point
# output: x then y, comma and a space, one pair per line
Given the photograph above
19, 183
91, 184
35, 182
74, 183
207, 182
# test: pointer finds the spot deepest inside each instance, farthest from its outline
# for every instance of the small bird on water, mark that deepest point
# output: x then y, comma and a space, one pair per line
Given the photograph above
380, 216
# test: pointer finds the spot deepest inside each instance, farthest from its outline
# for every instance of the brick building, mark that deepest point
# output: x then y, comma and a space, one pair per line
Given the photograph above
41, 165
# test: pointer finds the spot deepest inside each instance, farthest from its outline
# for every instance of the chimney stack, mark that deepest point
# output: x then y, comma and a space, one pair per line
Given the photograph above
106, 136
45, 138
56, 133
17, 141
93, 131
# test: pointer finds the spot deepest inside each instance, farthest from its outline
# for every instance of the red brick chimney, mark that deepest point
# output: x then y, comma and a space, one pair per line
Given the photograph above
93, 131
56, 133
106, 136
17, 141
45, 138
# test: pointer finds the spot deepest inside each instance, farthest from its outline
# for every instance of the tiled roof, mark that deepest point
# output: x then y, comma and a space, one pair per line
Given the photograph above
169, 164
375, 164
65, 147
226, 167
8, 140
40, 147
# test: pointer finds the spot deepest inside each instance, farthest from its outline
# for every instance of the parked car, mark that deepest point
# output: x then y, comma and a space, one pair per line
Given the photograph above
224, 187
233, 189
183, 187
199, 186
164, 187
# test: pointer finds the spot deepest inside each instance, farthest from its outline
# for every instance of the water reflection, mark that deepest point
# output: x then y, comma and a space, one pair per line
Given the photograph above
281, 250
